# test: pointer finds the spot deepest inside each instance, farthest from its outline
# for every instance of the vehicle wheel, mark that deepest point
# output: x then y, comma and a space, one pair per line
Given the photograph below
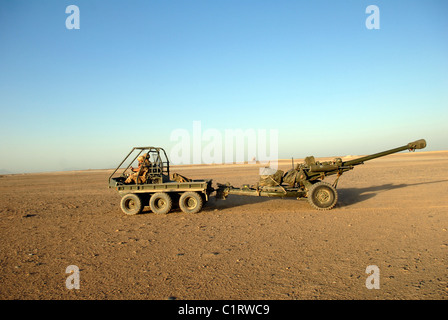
190, 202
160, 203
131, 204
322, 196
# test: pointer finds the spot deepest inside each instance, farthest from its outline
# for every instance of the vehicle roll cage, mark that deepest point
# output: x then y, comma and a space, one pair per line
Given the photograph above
160, 165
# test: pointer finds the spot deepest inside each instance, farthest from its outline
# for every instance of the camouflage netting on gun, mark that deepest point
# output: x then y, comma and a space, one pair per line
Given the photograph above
180, 178
309, 160
291, 177
271, 180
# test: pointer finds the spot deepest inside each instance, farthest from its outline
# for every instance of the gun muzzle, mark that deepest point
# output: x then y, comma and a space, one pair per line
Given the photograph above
419, 144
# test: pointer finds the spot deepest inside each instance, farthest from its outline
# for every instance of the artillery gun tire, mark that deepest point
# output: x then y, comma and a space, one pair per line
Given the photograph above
322, 196
160, 203
131, 204
191, 202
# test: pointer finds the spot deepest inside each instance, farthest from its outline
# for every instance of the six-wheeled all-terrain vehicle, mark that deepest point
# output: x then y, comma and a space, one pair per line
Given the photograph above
151, 185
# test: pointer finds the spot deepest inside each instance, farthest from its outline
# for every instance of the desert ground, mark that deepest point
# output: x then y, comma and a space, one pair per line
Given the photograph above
392, 213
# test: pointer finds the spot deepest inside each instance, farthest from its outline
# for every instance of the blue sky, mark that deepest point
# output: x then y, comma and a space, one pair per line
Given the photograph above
137, 70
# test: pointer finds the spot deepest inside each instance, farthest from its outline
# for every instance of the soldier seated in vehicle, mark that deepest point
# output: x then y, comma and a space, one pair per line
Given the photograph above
140, 172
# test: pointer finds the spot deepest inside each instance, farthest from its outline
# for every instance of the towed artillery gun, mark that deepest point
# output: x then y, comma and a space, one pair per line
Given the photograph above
305, 180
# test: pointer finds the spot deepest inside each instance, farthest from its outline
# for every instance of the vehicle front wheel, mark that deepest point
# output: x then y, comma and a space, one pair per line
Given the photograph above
190, 202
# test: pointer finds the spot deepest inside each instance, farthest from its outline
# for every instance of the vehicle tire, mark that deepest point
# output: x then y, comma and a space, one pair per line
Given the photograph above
131, 204
322, 196
160, 203
190, 202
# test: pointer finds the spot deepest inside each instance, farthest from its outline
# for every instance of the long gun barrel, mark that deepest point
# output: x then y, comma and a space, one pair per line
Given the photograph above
419, 144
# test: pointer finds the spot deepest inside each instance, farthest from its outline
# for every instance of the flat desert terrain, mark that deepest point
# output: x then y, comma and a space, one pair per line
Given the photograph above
392, 213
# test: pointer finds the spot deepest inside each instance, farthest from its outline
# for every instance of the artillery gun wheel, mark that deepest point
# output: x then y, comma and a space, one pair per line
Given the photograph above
160, 203
191, 202
322, 196
131, 204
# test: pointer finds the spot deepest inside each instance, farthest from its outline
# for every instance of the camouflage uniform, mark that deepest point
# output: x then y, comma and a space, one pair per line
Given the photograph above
142, 176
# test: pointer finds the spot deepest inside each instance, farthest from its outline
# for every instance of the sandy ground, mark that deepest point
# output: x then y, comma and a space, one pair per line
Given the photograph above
392, 213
